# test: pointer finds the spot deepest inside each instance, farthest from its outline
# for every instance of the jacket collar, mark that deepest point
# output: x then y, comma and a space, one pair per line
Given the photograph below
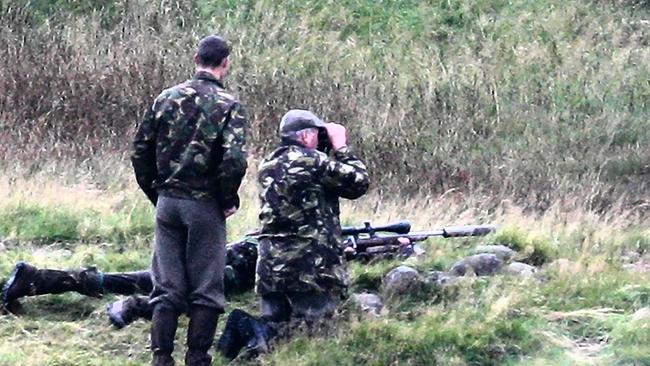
286, 142
204, 75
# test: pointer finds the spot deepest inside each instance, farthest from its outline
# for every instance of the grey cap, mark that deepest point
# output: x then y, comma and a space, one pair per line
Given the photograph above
299, 119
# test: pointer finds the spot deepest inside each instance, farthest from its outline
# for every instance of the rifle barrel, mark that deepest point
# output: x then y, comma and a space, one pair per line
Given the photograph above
446, 232
468, 230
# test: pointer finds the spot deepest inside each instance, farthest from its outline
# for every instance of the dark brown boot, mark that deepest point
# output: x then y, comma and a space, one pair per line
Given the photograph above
231, 340
125, 311
244, 331
200, 335
20, 283
27, 280
163, 330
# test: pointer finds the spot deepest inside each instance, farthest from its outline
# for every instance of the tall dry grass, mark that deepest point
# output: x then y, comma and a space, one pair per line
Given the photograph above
538, 102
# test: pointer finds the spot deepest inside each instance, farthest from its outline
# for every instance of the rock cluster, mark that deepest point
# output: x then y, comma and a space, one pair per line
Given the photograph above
486, 260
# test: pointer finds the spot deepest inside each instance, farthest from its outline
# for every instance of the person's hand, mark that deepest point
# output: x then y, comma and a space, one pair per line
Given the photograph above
337, 134
229, 212
404, 241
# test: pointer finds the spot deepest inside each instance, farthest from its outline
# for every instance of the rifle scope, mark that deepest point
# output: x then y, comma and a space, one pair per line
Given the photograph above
400, 227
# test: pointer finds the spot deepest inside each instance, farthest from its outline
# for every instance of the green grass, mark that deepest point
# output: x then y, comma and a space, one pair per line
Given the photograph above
629, 342
36, 223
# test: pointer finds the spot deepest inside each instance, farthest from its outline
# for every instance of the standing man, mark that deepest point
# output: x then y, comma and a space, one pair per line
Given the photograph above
189, 159
301, 272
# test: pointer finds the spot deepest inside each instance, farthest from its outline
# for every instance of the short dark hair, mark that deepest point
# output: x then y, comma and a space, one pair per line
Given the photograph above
212, 50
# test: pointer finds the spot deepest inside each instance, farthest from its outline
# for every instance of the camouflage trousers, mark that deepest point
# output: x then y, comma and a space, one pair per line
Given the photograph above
307, 306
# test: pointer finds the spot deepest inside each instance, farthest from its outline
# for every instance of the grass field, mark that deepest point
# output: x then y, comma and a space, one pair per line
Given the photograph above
581, 311
531, 115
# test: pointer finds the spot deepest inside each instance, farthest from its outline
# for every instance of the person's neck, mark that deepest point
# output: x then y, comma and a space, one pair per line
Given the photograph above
216, 72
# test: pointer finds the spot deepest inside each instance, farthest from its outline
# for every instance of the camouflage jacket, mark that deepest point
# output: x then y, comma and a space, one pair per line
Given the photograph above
191, 143
300, 239
239, 273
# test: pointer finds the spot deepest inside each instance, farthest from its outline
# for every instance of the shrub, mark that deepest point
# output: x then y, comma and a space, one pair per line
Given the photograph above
531, 248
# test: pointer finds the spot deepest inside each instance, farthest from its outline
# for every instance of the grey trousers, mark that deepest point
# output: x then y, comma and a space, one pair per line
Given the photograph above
189, 254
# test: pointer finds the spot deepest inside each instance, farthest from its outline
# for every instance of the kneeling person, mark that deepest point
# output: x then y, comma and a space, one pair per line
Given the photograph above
301, 271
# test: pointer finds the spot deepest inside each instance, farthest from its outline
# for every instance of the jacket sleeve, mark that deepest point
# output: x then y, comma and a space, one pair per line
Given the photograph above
143, 157
233, 165
345, 175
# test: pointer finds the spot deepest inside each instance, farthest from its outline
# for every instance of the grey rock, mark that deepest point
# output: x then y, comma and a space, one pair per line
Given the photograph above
641, 316
639, 266
401, 280
520, 269
631, 257
629, 267
503, 252
439, 278
7, 243
478, 264
368, 303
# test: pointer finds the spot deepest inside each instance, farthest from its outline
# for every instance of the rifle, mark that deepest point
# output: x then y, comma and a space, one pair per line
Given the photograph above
363, 242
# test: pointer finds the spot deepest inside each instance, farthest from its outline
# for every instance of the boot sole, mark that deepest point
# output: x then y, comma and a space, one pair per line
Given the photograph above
115, 319
10, 282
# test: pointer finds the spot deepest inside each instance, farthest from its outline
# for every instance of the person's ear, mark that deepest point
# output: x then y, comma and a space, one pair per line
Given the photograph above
196, 58
305, 137
225, 62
